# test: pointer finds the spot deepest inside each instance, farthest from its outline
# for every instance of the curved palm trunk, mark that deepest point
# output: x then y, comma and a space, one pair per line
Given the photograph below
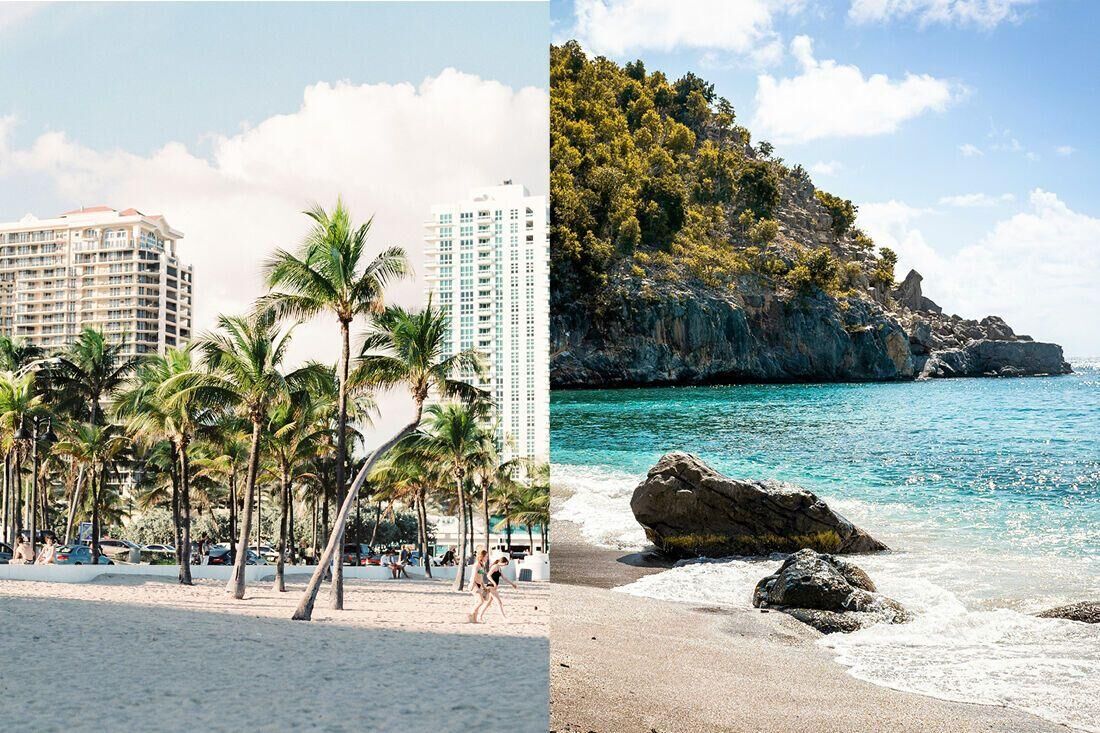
337, 597
305, 607
460, 574
185, 516
236, 580
284, 490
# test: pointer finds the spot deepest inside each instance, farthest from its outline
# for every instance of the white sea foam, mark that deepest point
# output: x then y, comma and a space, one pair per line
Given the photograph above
954, 649
599, 503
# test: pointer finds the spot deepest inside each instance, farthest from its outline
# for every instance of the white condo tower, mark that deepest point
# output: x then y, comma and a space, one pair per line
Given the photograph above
487, 265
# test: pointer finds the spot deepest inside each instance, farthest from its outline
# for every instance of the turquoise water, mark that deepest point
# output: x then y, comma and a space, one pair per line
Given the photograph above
987, 489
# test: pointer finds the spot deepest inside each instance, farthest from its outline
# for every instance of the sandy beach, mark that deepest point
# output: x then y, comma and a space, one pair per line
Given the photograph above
621, 663
129, 653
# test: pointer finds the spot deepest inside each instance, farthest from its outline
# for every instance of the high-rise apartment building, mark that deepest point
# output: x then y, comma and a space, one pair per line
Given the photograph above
116, 271
488, 266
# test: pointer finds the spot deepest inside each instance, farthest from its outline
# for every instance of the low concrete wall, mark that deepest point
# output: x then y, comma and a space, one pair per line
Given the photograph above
253, 573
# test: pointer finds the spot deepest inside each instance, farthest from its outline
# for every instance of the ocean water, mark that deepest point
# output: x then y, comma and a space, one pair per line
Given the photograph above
987, 489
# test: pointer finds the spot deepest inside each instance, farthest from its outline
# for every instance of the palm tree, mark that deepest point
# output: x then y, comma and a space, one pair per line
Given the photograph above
243, 360
154, 411
226, 460
406, 476
96, 448
329, 274
507, 494
20, 403
292, 430
401, 347
453, 436
533, 509
80, 378
17, 354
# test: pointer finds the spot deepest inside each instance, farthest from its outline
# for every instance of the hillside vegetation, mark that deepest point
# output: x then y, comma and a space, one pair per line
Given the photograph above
654, 179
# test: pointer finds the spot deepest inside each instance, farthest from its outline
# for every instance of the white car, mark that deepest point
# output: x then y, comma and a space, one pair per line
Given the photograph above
167, 549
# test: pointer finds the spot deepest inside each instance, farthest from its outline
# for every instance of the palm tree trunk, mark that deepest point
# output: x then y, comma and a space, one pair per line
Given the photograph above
470, 535
530, 540
460, 574
185, 504
316, 546
424, 556
176, 521
94, 490
34, 493
232, 504
485, 512
305, 607
337, 597
237, 580
17, 500
6, 536
284, 490
290, 525
508, 528
73, 504
377, 520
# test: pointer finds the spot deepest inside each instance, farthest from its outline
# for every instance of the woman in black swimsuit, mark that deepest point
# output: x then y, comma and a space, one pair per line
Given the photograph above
495, 575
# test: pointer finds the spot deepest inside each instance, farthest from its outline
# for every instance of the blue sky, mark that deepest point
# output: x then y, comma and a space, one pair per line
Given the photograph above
230, 119
976, 156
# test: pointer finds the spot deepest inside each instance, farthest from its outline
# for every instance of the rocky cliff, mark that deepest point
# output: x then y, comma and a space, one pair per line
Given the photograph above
688, 334
682, 253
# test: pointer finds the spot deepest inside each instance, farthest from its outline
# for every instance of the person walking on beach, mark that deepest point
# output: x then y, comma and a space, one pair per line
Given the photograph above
495, 575
48, 554
479, 586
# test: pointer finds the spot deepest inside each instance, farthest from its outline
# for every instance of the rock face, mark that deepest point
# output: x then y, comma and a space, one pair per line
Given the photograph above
644, 330
1087, 612
690, 510
826, 592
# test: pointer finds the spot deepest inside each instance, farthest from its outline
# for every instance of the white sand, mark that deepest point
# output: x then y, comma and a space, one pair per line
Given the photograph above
141, 654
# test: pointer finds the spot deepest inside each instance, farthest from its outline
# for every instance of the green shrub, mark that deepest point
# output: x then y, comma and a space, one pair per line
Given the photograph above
841, 211
764, 231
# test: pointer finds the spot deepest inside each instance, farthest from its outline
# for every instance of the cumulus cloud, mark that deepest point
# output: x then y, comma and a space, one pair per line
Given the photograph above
976, 200
985, 14
1038, 268
834, 100
826, 168
619, 27
970, 151
391, 150
1065, 151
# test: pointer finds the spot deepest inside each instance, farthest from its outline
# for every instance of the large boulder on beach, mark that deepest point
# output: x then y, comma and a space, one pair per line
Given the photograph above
826, 592
690, 510
1087, 612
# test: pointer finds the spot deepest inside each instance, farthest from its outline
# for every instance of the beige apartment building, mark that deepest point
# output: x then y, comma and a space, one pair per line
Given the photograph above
117, 271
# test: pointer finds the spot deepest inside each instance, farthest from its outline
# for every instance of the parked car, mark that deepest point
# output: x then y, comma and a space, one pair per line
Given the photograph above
223, 554
371, 559
351, 557
159, 548
79, 555
5, 553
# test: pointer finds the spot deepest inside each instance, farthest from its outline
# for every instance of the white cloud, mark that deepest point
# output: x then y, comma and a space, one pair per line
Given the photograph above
1038, 269
826, 168
14, 13
976, 200
389, 150
619, 27
985, 14
833, 100
1065, 150
970, 151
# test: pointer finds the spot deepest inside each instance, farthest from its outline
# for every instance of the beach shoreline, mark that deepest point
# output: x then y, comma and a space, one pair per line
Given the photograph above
141, 653
626, 663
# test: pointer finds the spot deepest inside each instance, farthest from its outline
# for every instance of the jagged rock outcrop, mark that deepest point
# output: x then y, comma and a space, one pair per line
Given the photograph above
690, 510
1087, 612
908, 294
826, 592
